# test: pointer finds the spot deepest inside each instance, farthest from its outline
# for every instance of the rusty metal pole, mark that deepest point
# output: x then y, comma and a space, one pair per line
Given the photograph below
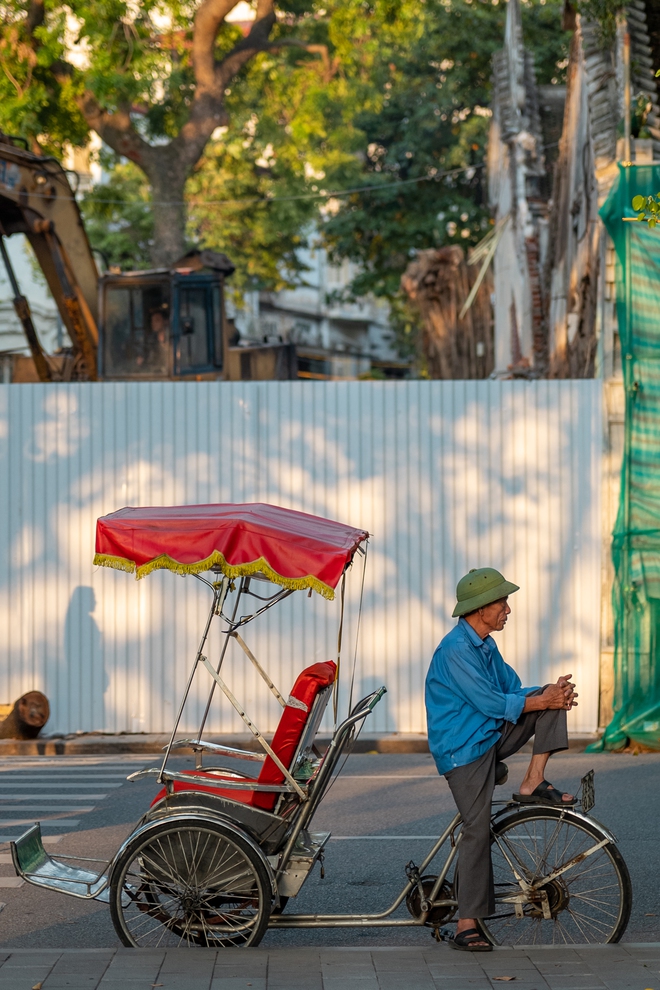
22, 308
627, 153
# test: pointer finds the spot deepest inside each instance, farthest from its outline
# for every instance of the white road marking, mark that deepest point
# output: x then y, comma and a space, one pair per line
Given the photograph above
39, 795
368, 838
49, 783
11, 882
54, 778
47, 808
47, 823
48, 840
50, 791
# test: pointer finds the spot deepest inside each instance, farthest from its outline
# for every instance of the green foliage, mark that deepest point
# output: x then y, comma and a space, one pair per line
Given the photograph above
392, 94
36, 102
647, 209
604, 14
259, 232
543, 35
118, 217
422, 113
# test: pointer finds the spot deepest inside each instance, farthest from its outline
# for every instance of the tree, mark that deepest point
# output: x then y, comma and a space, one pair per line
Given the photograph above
424, 137
149, 82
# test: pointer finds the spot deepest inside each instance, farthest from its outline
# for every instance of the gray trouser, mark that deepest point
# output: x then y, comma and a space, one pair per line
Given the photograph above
472, 787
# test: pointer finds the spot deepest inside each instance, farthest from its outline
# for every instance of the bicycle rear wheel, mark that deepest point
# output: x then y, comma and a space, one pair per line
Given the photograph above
190, 884
588, 902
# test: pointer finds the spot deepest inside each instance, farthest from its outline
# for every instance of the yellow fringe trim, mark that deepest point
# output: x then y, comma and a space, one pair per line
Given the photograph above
229, 570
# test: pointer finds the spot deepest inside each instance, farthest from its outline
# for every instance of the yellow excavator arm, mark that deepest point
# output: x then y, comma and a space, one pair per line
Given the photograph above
36, 199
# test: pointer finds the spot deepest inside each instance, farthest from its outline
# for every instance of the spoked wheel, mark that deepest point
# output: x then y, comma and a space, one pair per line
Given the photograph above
587, 902
189, 884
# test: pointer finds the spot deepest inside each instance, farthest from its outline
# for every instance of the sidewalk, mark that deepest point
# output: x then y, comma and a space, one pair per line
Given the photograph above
631, 966
99, 744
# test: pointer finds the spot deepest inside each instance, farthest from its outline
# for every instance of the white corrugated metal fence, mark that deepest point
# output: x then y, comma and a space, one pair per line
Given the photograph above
445, 475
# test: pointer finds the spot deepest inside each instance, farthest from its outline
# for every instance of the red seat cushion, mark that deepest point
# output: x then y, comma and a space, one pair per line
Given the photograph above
292, 724
285, 742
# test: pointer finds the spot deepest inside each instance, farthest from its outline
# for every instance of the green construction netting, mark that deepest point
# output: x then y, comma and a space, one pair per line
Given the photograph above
636, 537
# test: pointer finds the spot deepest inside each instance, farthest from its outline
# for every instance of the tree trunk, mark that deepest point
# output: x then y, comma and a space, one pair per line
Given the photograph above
167, 186
438, 282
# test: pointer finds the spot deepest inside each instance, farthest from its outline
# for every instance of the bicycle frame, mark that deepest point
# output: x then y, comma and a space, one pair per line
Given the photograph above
381, 919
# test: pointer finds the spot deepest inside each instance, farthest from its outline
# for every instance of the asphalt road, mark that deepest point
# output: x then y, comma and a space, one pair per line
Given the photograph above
379, 811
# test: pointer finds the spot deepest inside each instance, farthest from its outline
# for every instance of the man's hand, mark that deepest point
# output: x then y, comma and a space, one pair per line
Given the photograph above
555, 696
569, 690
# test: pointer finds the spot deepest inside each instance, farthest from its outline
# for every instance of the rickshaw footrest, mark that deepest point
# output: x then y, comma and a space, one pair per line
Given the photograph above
33, 864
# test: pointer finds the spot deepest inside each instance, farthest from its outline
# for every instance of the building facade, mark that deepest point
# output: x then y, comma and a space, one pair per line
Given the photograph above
334, 338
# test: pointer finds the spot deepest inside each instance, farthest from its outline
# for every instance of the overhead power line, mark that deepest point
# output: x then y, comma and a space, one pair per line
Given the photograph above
322, 194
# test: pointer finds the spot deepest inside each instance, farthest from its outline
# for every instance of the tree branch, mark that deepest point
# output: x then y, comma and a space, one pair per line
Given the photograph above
35, 16
117, 130
330, 65
211, 78
258, 40
208, 19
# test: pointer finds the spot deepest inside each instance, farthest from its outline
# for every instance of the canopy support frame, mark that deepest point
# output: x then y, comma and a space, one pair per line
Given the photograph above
253, 729
219, 594
251, 657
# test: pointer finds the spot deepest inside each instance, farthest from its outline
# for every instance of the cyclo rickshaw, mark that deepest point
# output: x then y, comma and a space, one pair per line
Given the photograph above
220, 853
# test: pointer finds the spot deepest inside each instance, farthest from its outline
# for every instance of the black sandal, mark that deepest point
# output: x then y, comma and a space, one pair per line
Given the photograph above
468, 941
546, 795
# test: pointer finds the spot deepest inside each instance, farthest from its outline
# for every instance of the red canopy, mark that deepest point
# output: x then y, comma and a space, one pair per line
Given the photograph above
291, 548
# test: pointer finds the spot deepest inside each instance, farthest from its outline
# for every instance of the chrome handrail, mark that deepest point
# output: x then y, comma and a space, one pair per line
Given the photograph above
192, 778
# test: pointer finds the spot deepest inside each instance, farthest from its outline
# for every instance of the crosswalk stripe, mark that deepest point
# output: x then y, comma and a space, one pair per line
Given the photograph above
53, 777
50, 791
59, 784
45, 823
47, 808
48, 840
40, 796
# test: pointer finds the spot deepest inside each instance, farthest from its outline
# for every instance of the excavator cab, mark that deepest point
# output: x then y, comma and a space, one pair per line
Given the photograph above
166, 323
161, 324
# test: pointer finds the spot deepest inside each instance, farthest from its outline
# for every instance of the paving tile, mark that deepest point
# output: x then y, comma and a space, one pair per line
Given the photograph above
75, 966
237, 971
313, 983
548, 966
17, 983
356, 983
144, 979
237, 983
405, 982
587, 982
338, 969
42, 957
126, 984
144, 983
86, 980
464, 984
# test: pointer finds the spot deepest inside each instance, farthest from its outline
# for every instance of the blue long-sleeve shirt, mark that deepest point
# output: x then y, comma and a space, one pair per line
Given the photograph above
470, 693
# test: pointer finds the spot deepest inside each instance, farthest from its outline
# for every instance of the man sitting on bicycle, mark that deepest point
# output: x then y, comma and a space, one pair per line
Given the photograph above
478, 714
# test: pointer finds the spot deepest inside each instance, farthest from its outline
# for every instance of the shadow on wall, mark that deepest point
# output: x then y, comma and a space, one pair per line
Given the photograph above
82, 638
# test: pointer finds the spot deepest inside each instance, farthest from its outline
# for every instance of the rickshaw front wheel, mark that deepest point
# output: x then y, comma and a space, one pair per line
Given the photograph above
190, 884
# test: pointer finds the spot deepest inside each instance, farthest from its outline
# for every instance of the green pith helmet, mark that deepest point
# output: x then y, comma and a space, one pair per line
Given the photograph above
480, 587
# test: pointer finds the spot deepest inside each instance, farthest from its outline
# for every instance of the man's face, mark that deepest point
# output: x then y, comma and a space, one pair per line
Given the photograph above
496, 614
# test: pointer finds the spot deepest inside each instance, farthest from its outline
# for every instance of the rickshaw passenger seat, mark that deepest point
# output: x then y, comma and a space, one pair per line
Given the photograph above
310, 683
